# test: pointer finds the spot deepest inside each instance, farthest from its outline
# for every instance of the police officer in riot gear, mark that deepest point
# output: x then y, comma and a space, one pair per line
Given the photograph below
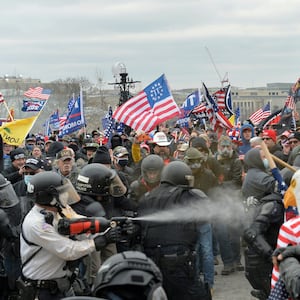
100, 184
10, 219
151, 168
171, 244
44, 252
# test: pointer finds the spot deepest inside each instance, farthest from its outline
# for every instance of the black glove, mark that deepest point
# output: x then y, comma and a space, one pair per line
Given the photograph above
111, 236
129, 227
290, 251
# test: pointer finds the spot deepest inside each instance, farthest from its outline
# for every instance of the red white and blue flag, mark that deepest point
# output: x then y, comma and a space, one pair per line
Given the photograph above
216, 117
38, 93
149, 108
32, 105
75, 119
260, 114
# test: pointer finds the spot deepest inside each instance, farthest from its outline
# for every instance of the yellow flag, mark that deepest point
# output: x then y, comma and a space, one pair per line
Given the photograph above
14, 133
232, 120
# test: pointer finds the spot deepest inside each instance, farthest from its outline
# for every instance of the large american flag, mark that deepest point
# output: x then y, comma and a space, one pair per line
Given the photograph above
260, 114
149, 108
38, 93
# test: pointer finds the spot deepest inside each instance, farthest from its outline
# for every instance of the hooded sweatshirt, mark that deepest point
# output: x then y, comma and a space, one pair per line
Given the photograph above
243, 149
258, 183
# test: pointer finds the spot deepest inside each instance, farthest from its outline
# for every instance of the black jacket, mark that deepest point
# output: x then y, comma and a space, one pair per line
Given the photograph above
163, 232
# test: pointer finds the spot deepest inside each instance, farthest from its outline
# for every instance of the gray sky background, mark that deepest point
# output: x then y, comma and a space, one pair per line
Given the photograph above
255, 41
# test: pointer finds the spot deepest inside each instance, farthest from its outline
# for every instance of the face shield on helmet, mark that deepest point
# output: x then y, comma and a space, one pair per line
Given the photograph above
51, 189
8, 197
178, 173
97, 180
9, 201
117, 187
67, 194
151, 168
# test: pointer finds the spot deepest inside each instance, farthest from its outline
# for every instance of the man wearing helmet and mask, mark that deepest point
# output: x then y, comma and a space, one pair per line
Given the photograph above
44, 252
98, 184
171, 243
151, 168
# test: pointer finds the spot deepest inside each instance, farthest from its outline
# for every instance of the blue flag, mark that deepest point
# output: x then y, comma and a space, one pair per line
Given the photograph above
54, 121
33, 105
75, 119
108, 124
191, 101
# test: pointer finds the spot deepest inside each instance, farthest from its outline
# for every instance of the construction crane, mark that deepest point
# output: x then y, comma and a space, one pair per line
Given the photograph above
225, 78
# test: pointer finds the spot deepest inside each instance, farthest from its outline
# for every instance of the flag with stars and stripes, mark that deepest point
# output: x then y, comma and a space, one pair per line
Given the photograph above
38, 93
149, 108
108, 125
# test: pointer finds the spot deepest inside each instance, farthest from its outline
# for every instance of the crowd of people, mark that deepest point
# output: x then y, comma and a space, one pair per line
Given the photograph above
142, 215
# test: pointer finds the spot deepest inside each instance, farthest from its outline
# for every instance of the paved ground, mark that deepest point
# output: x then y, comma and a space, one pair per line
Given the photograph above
232, 287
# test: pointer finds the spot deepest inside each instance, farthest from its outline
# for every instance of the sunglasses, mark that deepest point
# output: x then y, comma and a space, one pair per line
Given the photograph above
266, 139
29, 173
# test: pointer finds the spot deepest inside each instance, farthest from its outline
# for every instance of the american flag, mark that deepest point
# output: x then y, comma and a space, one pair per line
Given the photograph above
290, 102
1, 98
260, 114
215, 116
220, 98
149, 108
108, 125
38, 93
62, 121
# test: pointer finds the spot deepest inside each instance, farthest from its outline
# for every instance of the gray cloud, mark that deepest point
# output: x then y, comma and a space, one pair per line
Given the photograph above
255, 41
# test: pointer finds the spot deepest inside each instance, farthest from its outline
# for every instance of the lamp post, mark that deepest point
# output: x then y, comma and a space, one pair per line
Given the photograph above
122, 80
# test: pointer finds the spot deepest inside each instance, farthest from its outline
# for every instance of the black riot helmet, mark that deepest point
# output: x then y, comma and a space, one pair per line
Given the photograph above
9, 201
151, 168
51, 189
98, 180
129, 275
177, 173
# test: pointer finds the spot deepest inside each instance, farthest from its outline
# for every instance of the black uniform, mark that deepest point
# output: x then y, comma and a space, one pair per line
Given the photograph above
171, 244
261, 238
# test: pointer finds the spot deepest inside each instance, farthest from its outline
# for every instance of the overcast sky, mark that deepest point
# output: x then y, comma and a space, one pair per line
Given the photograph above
256, 42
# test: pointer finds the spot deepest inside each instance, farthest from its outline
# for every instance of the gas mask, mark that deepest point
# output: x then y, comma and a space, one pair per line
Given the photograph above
226, 152
122, 162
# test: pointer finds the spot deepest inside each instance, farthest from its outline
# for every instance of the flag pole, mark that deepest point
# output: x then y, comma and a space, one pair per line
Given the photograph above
9, 113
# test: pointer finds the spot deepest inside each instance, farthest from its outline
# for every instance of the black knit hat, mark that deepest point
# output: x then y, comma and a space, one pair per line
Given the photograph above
102, 156
17, 153
199, 142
